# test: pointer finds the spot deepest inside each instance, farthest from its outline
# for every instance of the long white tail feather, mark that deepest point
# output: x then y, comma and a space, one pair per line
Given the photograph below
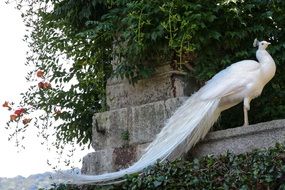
189, 124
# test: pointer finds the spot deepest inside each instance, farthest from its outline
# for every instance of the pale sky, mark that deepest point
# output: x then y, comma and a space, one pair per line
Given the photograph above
33, 159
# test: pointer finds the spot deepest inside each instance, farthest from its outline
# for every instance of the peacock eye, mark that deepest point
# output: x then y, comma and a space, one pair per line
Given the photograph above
262, 43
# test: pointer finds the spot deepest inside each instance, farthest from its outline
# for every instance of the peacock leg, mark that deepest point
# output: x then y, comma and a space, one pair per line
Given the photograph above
246, 107
245, 117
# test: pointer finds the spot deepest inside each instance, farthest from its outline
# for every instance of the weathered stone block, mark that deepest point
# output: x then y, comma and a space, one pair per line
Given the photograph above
124, 94
98, 162
147, 120
161, 86
124, 156
108, 128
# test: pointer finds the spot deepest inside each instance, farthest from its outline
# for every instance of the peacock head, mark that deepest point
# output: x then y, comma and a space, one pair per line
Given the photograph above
261, 45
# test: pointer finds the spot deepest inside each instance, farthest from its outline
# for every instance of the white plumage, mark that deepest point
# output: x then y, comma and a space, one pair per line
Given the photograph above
242, 81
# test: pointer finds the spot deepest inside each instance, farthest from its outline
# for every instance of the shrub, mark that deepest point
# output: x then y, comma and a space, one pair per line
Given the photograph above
260, 170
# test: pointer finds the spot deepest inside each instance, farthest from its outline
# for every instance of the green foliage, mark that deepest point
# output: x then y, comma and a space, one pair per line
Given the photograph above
76, 67
125, 135
260, 169
75, 41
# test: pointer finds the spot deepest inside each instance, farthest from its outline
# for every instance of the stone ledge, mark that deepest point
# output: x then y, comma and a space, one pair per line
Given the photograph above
241, 139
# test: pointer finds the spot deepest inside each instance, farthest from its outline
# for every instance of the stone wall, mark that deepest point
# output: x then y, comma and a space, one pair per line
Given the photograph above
136, 114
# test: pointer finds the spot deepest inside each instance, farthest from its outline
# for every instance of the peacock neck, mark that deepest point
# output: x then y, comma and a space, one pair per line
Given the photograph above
267, 64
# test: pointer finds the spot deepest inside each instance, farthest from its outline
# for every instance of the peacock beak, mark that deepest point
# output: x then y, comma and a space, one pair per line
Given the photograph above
268, 43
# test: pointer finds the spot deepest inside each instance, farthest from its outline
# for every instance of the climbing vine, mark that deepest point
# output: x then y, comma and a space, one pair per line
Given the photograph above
73, 43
